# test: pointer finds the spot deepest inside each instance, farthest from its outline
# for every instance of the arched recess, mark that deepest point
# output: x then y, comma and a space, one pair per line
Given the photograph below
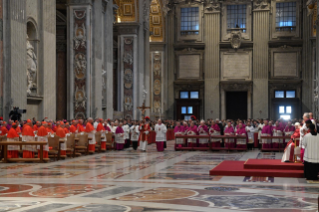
33, 39
61, 65
156, 22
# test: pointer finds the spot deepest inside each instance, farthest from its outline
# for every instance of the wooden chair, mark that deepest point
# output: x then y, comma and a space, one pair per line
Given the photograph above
70, 144
98, 138
109, 140
55, 145
82, 145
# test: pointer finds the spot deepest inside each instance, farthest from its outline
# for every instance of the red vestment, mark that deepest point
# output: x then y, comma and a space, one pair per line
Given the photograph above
80, 128
73, 129
4, 131
144, 128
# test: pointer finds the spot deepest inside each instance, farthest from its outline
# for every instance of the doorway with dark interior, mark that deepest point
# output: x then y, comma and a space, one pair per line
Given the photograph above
236, 105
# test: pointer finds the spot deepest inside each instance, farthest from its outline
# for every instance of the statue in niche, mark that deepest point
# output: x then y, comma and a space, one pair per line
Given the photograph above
80, 98
32, 65
128, 58
80, 66
157, 106
128, 104
80, 37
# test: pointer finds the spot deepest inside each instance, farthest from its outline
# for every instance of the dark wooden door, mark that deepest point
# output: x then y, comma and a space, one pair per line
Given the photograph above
236, 105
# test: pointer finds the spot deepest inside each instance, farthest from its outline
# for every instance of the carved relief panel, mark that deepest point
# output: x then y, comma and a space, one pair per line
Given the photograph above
127, 10
156, 22
128, 71
285, 62
157, 73
79, 62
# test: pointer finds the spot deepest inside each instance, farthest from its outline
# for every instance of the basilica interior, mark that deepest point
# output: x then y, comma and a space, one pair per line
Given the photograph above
165, 60
212, 59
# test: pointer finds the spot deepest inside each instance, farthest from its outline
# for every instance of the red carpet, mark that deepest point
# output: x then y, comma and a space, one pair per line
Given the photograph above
271, 164
273, 169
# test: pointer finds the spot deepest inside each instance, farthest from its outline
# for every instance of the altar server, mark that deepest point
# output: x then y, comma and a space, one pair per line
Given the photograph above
229, 130
311, 156
160, 130
119, 137
144, 133
303, 132
134, 134
202, 129
290, 147
126, 129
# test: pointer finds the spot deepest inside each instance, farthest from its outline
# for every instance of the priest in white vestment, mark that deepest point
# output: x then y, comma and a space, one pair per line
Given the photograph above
160, 130
250, 132
311, 156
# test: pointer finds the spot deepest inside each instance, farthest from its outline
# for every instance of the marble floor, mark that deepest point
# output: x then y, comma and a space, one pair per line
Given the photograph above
130, 181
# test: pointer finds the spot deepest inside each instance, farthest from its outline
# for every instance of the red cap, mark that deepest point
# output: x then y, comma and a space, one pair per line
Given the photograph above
147, 117
28, 121
14, 124
1, 118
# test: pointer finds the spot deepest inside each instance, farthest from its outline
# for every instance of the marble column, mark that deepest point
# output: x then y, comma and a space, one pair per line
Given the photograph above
307, 81
316, 93
212, 38
157, 88
1, 58
80, 58
15, 66
129, 76
260, 62
171, 64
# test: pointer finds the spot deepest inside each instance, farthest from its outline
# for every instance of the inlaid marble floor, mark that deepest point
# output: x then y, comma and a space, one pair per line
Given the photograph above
133, 181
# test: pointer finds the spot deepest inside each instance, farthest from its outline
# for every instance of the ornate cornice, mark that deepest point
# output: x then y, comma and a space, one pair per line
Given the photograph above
79, 2
261, 5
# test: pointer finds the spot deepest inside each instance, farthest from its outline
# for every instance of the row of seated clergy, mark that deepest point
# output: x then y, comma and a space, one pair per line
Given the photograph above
58, 146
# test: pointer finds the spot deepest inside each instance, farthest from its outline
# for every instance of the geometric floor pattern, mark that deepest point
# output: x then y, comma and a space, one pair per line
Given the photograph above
134, 181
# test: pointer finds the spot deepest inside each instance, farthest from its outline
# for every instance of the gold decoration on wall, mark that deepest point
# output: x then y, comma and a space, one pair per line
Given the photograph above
127, 11
156, 22
314, 18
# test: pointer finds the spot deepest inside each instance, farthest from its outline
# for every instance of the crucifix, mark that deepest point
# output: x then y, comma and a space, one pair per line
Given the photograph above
143, 109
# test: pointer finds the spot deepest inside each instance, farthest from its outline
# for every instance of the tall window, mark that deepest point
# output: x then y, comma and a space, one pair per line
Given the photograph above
236, 18
190, 21
279, 94
286, 16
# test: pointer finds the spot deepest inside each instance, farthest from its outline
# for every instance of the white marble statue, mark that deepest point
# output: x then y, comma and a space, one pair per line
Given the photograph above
32, 65
80, 37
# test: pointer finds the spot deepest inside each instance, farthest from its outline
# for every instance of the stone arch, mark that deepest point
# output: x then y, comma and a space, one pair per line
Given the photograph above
156, 21
32, 30
32, 61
